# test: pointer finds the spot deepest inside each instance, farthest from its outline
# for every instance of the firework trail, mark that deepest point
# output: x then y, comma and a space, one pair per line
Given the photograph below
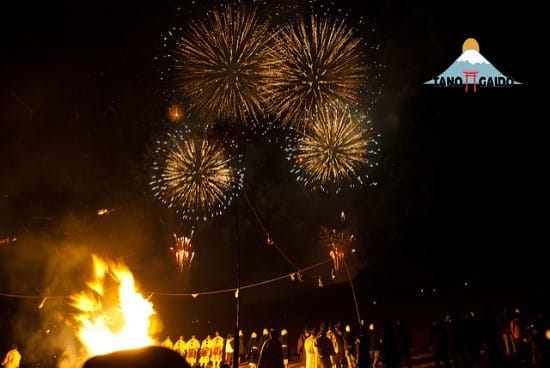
183, 251
337, 242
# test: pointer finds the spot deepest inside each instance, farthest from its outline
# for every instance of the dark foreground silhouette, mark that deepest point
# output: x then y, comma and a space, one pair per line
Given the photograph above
149, 357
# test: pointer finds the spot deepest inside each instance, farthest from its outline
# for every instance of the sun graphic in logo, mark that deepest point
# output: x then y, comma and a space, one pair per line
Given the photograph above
470, 44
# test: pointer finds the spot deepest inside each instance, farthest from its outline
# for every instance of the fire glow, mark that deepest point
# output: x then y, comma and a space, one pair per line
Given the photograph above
111, 314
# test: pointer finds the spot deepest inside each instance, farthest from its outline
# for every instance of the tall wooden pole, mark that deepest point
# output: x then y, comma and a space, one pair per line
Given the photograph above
236, 337
353, 292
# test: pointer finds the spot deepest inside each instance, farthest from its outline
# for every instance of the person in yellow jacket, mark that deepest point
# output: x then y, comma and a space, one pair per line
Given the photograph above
217, 350
12, 358
167, 343
205, 351
192, 350
179, 346
311, 351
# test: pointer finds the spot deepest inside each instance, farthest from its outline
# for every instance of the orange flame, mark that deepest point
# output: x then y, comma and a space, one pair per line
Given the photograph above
112, 315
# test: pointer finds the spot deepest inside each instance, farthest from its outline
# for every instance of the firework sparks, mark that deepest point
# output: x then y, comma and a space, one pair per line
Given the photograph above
336, 150
318, 62
194, 175
222, 65
175, 113
183, 251
331, 238
337, 257
337, 242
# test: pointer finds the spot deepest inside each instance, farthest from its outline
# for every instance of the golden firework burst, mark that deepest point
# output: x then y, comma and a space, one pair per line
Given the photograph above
319, 62
195, 175
336, 151
222, 65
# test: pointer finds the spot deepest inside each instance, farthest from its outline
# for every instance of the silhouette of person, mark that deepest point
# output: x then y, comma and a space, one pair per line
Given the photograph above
390, 348
404, 340
324, 348
271, 354
439, 345
363, 349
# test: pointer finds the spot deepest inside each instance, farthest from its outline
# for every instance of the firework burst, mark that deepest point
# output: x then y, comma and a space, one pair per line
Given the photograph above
195, 175
335, 152
183, 251
319, 62
337, 242
222, 65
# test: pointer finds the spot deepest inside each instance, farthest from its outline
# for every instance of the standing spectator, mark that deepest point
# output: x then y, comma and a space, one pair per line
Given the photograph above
216, 350
404, 340
271, 355
363, 349
349, 347
390, 349
333, 358
179, 346
490, 335
535, 341
507, 339
472, 339
167, 343
263, 338
229, 349
541, 339
192, 350
439, 345
300, 347
311, 353
205, 351
339, 337
253, 350
324, 348
374, 345
516, 330
283, 339
12, 358
455, 336
242, 351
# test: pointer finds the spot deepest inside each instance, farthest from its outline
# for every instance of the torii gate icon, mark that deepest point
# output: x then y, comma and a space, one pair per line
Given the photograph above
467, 74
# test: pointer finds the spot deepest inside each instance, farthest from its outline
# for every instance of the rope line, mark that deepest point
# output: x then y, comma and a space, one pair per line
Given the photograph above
211, 292
253, 210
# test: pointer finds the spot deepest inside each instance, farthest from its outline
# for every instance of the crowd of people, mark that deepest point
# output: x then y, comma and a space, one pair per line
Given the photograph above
483, 340
334, 347
323, 347
470, 341
269, 350
474, 340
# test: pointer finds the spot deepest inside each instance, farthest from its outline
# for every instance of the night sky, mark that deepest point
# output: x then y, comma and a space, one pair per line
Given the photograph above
457, 195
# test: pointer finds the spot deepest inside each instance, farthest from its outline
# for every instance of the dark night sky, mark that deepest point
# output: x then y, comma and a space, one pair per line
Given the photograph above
457, 184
